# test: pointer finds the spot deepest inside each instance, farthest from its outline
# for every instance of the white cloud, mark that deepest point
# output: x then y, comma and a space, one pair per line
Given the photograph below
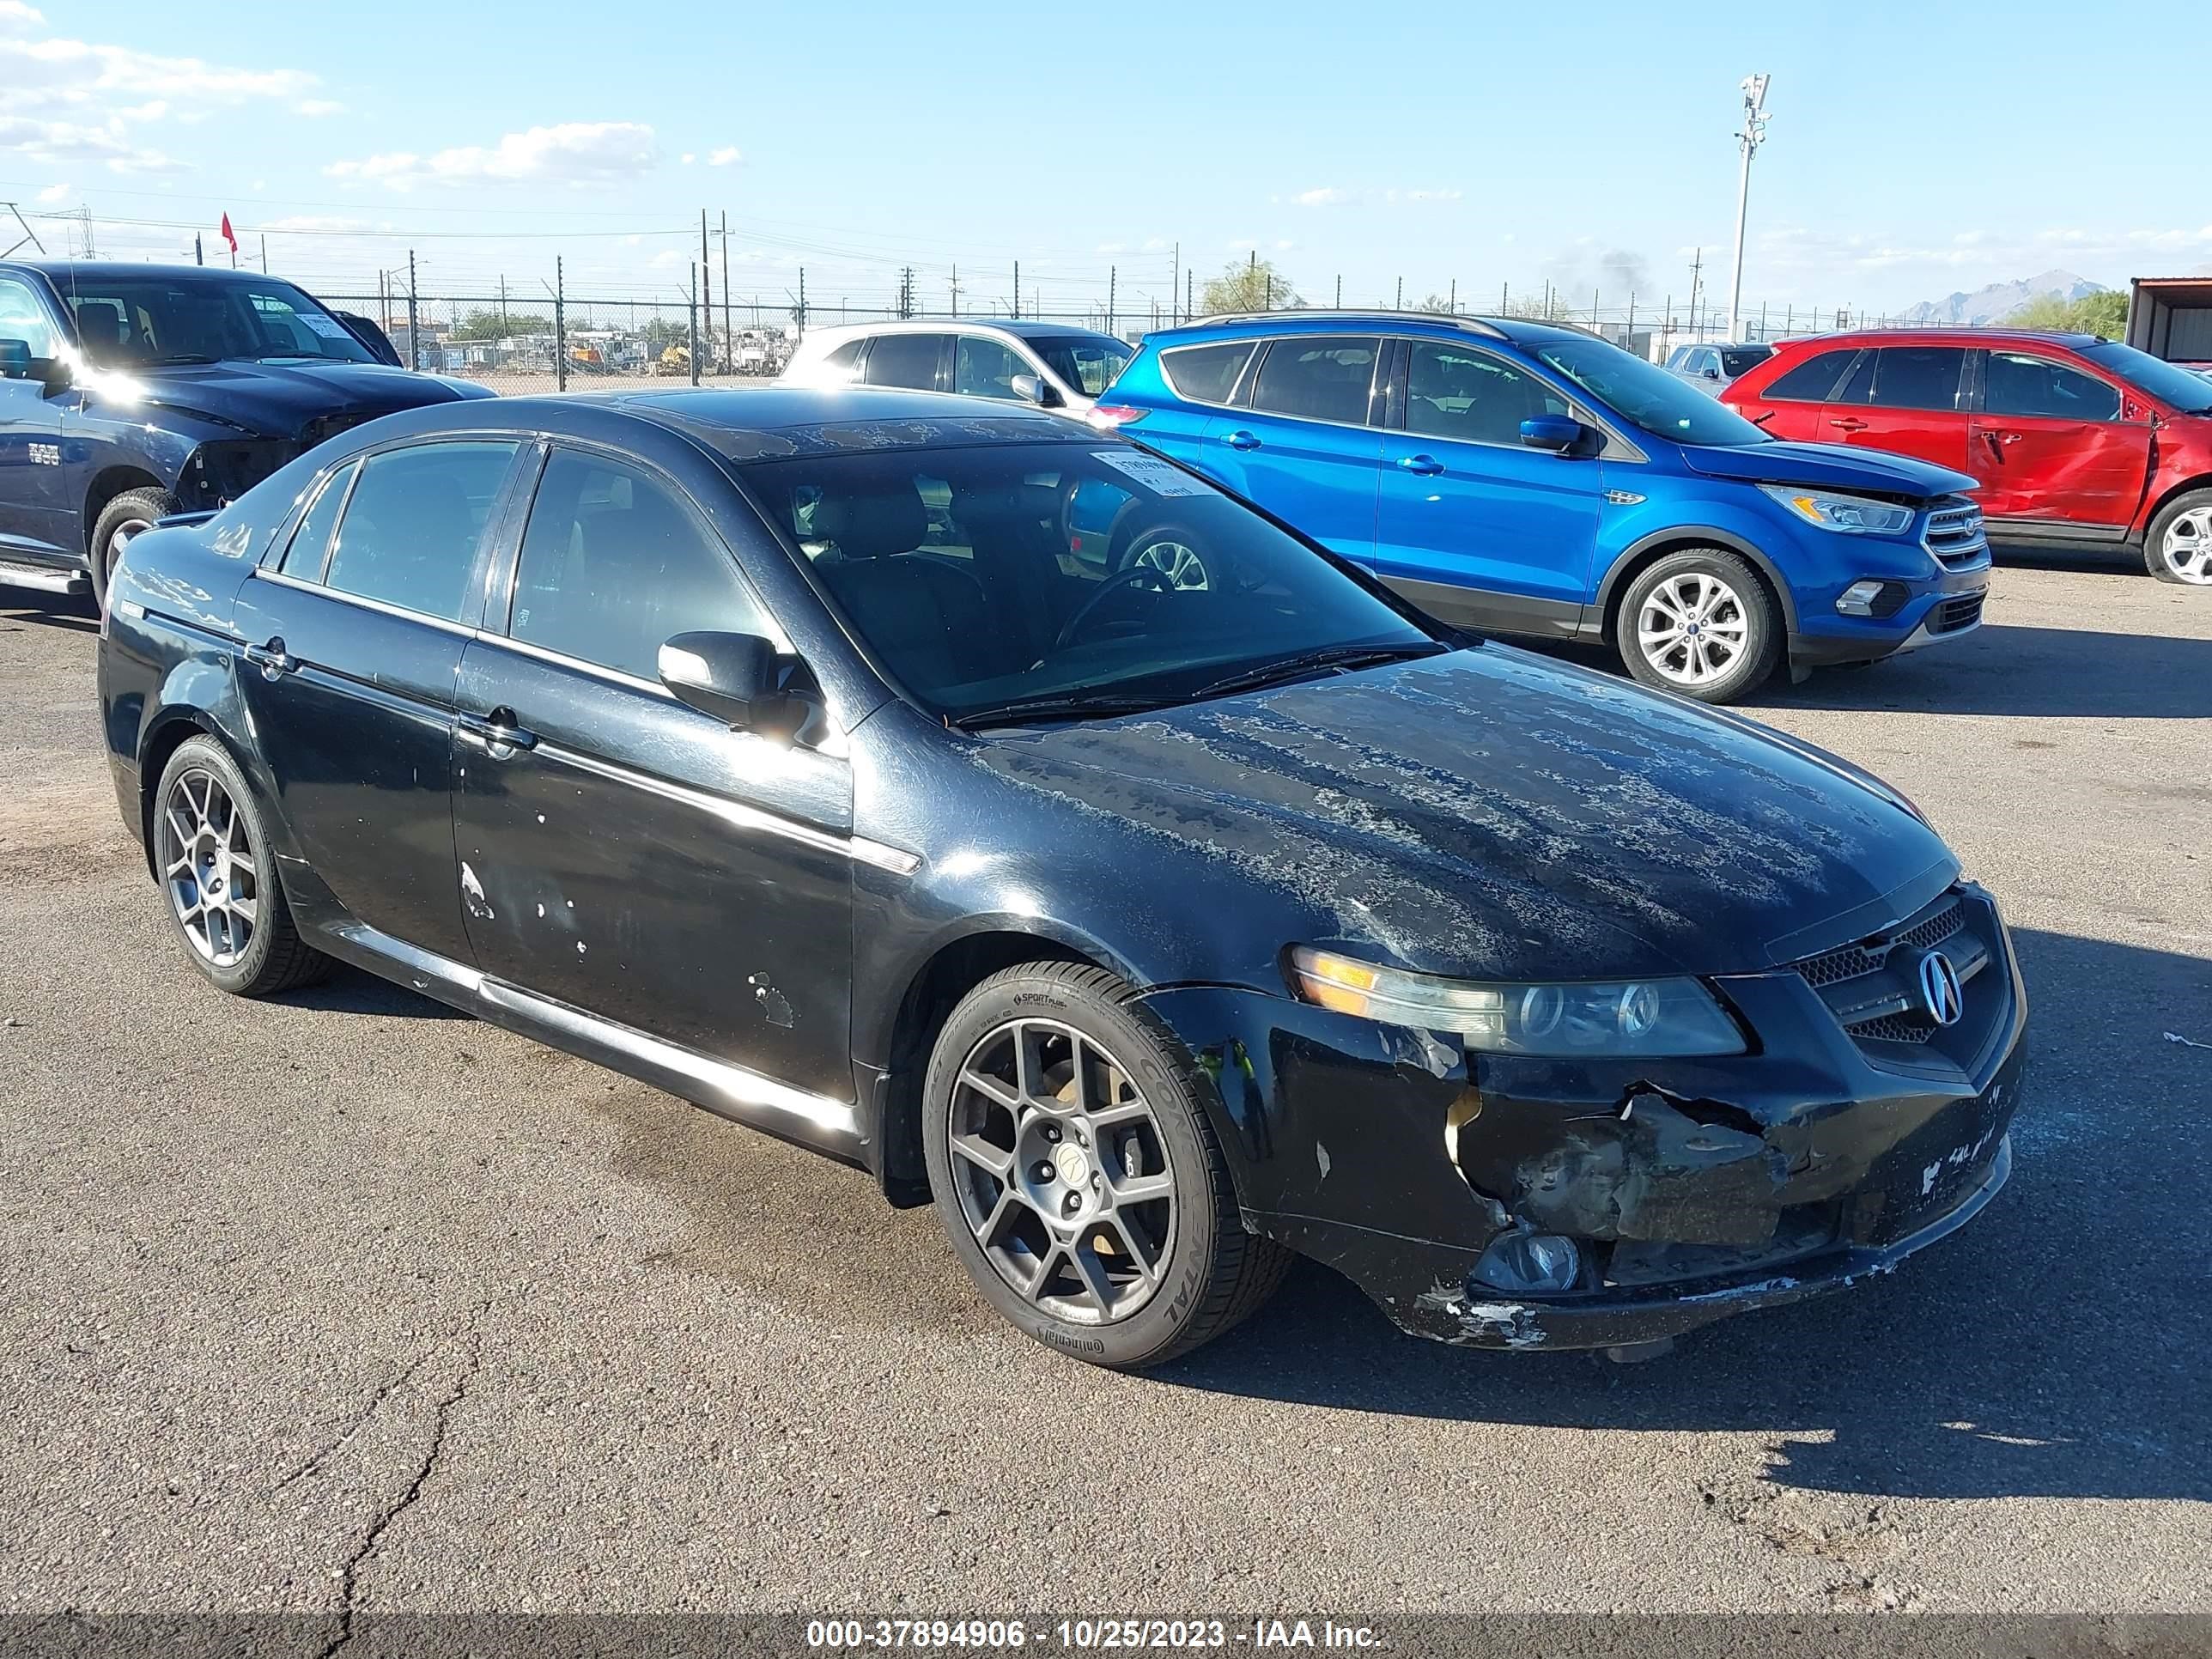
315, 108
573, 153
689, 158
59, 143
1111, 247
1331, 196
16, 15
313, 221
727, 156
1326, 196
53, 193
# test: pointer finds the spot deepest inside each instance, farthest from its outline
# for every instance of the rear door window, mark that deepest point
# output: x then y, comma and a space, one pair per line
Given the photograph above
1908, 377
1318, 378
1813, 380
906, 360
2017, 383
413, 522
1206, 374
303, 555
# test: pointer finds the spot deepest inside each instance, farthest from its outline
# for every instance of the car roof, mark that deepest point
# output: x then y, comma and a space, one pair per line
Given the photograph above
1023, 328
761, 424
123, 269
1252, 325
1962, 336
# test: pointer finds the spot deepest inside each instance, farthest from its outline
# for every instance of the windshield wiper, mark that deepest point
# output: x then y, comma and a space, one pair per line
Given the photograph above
1098, 705
1338, 657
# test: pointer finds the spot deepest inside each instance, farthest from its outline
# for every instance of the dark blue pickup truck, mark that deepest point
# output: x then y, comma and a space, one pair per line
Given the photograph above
130, 392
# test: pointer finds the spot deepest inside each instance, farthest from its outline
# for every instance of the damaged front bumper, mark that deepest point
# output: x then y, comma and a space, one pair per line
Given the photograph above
1693, 1188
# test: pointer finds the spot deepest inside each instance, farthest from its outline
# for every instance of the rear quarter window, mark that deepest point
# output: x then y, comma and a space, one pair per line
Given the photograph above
1206, 374
1812, 381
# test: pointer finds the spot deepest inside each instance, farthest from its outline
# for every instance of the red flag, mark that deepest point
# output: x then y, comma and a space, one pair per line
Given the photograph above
229, 235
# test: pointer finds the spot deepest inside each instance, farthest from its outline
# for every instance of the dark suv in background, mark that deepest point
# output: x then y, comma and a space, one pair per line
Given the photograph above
128, 391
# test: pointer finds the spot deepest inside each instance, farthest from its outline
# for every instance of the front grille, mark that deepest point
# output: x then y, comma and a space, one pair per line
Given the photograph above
1953, 615
1872, 986
1954, 533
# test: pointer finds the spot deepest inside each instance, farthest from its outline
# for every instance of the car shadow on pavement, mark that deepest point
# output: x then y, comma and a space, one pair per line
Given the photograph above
2059, 1346
351, 990
20, 608
2001, 669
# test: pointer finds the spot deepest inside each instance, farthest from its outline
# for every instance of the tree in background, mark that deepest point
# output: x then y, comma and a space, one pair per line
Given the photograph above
1439, 303
1248, 285
487, 323
2105, 313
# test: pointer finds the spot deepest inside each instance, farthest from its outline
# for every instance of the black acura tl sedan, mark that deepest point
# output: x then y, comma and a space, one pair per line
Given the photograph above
1010, 812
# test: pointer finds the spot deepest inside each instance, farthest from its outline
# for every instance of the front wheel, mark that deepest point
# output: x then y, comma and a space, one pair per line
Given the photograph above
129, 515
2179, 548
1701, 623
1077, 1175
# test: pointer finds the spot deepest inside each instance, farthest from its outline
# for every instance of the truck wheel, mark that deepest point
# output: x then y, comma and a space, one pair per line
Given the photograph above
1702, 623
2180, 546
131, 511
1077, 1174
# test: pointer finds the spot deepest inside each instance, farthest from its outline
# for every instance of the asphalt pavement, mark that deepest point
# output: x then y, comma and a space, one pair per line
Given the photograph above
344, 1300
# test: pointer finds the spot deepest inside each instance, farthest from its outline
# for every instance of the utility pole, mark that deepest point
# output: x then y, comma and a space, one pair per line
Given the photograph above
729, 339
955, 286
414, 333
1175, 280
1697, 270
1454, 296
1340, 291
1399, 303
692, 308
705, 297
1189, 313
1753, 133
1017, 290
801, 319
1111, 296
502, 306
560, 329
199, 257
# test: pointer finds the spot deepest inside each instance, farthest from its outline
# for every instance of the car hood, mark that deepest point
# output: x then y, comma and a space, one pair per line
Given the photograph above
278, 400
1829, 466
1491, 813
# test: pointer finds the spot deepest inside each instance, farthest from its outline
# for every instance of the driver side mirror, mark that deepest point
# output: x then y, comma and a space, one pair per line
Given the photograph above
14, 360
1557, 433
733, 677
1035, 389
1710, 374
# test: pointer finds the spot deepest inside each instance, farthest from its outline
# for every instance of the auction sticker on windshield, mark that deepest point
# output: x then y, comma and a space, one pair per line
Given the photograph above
1155, 474
329, 327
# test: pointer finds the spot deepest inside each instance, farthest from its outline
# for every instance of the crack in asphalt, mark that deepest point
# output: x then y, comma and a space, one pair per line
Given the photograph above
410, 1494
332, 1448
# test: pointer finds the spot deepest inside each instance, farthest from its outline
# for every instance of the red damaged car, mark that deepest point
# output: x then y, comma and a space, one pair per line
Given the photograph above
2079, 443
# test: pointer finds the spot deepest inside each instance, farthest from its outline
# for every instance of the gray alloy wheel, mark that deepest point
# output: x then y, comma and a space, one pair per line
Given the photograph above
2180, 542
209, 867
1701, 623
1179, 562
1077, 1172
1062, 1171
219, 874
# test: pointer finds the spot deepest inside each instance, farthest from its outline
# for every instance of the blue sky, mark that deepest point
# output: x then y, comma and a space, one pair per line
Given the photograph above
1912, 152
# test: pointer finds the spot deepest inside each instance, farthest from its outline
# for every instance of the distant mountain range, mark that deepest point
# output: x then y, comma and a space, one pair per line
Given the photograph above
2000, 300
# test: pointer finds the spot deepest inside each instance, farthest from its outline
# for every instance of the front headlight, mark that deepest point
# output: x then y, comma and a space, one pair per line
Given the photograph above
1608, 1017
1855, 515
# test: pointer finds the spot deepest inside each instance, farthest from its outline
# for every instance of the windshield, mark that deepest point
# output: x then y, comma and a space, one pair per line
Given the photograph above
982, 579
1088, 363
2169, 383
136, 322
1646, 395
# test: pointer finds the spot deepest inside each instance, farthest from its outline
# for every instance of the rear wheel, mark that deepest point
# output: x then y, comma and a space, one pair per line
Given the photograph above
2179, 548
1076, 1173
1701, 623
219, 874
128, 514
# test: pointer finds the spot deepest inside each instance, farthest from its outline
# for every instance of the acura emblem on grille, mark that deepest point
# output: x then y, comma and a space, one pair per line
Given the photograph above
1939, 992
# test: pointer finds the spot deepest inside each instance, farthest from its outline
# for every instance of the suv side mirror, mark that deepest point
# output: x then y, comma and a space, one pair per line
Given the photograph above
14, 360
732, 677
1029, 388
1558, 433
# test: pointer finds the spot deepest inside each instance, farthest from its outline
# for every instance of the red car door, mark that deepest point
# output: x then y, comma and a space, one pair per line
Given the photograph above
1789, 405
2055, 443
1906, 399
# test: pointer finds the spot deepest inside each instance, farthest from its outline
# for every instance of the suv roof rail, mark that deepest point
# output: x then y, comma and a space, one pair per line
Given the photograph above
1473, 324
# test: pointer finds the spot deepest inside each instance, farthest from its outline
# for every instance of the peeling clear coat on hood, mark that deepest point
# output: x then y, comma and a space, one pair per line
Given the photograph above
1490, 813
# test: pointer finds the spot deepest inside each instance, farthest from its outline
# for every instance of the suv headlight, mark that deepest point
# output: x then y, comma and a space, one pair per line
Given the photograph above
1855, 515
1577, 1018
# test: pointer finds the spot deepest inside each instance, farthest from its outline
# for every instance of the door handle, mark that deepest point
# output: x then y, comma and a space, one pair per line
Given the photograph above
2002, 437
1425, 466
1240, 439
1849, 425
272, 659
497, 733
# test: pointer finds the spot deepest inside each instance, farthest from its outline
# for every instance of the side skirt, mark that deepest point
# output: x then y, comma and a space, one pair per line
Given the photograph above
745, 1096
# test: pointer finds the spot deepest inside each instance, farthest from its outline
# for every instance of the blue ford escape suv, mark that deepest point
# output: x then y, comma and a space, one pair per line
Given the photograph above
1527, 477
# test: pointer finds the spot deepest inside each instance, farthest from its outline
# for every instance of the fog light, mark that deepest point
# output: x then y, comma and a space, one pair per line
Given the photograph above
1871, 598
1528, 1262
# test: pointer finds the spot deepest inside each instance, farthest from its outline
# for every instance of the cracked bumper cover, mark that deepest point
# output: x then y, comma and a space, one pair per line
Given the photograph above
1697, 1189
